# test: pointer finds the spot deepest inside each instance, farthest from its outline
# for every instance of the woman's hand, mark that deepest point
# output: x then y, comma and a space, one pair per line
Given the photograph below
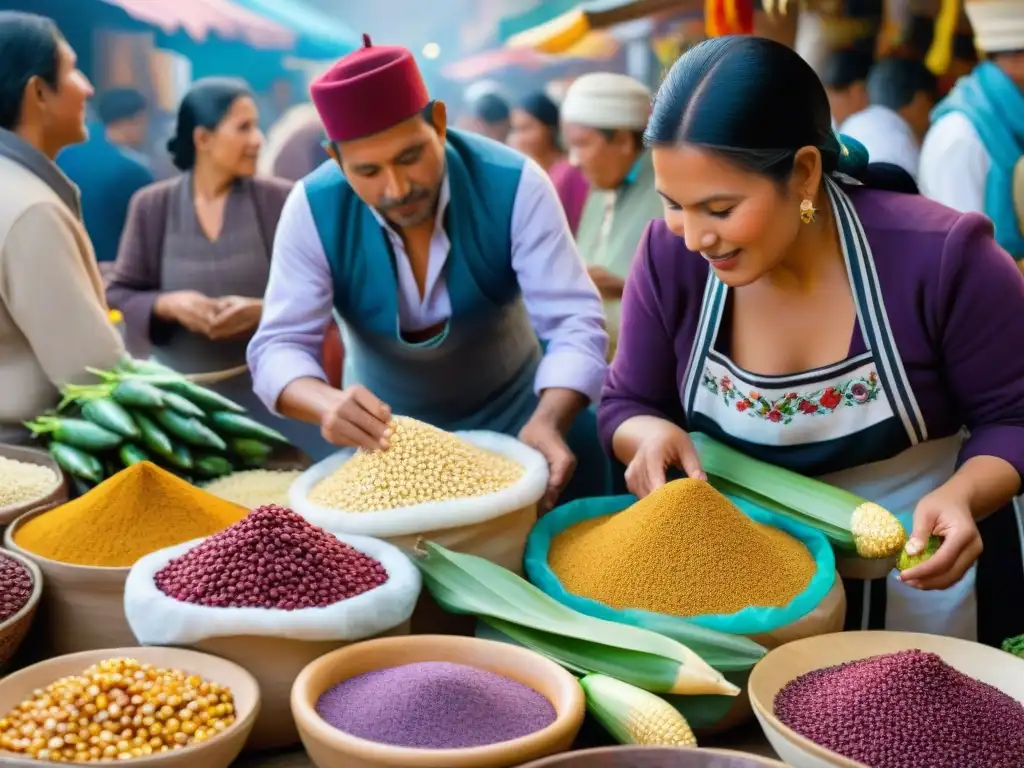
235, 316
942, 513
190, 309
663, 445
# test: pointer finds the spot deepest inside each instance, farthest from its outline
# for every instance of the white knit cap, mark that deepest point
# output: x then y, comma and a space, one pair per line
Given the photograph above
998, 24
607, 100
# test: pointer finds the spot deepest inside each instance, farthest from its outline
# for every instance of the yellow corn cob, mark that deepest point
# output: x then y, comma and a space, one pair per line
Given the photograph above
635, 716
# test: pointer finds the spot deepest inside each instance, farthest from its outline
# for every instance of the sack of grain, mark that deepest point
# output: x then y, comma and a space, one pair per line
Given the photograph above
472, 492
688, 555
271, 593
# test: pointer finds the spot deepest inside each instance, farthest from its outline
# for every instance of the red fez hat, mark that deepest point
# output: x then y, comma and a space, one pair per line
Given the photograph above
369, 91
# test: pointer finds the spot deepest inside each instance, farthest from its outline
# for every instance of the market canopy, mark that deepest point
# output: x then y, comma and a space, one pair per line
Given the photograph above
201, 19
566, 30
320, 35
595, 46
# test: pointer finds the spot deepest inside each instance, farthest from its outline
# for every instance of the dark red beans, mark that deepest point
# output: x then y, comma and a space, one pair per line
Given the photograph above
15, 587
271, 559
905, 710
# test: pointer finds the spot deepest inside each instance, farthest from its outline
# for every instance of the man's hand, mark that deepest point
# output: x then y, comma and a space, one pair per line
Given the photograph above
357, 419
609, 285
190, 309
235, 316
544, 435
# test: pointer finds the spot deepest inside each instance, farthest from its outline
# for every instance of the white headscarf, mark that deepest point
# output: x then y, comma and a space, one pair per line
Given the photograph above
998, 24
607, 100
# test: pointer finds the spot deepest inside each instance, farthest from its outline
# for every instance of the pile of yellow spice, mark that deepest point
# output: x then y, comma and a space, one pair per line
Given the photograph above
118, 709
422, 464
683, 550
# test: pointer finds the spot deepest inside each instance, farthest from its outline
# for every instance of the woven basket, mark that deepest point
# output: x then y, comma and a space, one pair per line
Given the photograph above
13, 631
58, 495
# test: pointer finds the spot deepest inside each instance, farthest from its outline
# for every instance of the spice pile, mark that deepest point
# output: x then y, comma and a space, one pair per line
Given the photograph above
271, 559
435, 705
117, 709
905, 709
135, 512
15, 587
422, 464
22, 481
684, 550
254, 487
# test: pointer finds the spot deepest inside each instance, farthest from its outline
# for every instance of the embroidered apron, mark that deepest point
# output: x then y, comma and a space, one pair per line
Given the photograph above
856, 424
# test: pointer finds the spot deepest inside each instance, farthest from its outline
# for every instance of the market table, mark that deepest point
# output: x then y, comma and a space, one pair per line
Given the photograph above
746, 739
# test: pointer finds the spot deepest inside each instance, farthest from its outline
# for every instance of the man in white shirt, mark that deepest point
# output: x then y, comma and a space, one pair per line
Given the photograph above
973, 151
902, 94
844, 76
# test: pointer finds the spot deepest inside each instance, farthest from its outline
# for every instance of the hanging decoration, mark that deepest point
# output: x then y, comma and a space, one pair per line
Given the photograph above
729, 17
940, 55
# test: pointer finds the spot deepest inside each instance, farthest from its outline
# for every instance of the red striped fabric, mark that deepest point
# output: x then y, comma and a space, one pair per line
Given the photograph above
201, 18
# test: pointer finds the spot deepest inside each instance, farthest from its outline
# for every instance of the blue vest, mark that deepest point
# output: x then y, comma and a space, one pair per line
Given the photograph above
489, 335
479, 371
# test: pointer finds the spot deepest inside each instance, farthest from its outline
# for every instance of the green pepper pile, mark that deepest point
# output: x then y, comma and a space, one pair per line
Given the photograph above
143, 411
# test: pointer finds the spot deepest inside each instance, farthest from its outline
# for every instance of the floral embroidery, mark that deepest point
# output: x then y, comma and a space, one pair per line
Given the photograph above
782, 410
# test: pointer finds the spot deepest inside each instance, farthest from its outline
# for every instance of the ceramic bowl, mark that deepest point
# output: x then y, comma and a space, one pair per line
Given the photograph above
655, 757
218, 752
787, 662
328, 747
83, 605
13, 631
57, 495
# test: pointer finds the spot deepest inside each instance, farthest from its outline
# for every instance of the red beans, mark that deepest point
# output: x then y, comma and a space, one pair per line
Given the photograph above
905, 710
271, 559
15, 587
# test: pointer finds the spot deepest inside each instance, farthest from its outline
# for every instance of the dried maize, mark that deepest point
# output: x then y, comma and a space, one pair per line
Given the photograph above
423, 464
117, 709
22, 481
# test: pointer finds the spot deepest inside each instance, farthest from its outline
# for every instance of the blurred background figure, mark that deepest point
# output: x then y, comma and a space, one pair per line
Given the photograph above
535, 127
110, 168
972, 157
603, 121
902, 94
845, 76
53, 320
294, 145
489, 116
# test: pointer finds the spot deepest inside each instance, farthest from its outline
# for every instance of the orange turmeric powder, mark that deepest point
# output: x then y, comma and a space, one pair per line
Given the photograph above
137, 511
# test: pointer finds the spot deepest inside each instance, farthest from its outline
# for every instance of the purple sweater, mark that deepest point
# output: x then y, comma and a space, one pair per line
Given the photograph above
955, 302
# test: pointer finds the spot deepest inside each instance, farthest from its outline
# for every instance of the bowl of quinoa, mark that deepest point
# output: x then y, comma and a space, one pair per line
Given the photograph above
29, 478
890, 700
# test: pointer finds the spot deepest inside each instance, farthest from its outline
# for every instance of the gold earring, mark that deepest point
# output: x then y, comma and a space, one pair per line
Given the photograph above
807, 211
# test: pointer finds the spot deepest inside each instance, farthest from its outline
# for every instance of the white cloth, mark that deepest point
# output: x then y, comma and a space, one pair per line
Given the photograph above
954, 164
607, 100
998, 24
887, 137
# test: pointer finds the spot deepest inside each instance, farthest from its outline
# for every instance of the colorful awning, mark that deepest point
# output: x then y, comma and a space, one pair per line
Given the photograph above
201, 18
320, 35
562, 32
594, 46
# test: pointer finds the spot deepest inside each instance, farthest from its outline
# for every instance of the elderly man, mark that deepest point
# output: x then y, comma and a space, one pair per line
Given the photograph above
446, 255
973, 152
603, 121
53, 319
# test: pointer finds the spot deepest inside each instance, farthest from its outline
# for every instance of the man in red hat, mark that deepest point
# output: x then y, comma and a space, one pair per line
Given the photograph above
446, 255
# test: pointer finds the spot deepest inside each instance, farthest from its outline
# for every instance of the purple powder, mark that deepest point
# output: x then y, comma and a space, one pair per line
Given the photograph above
905, 710
435, 705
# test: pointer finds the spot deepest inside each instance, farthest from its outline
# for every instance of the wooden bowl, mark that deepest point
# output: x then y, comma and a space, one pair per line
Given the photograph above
13, 631
83, 605
787, 662
654, 757
57, 495
218, 752
329, 748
